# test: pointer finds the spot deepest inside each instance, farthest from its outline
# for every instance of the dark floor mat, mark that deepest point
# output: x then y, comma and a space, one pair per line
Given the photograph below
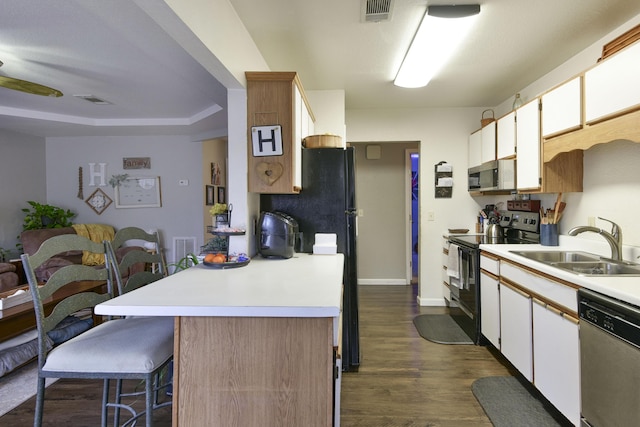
507, 403
441, 329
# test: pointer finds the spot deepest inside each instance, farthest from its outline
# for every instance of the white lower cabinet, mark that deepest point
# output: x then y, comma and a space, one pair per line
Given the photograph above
490, 308
555, 354
515, 329
539, 332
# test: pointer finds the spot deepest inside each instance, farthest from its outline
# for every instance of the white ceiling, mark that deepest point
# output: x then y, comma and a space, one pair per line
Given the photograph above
111, 49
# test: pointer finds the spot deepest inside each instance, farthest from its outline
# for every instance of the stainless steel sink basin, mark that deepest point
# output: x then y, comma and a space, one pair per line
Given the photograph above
602, 268
582, 263
557, 256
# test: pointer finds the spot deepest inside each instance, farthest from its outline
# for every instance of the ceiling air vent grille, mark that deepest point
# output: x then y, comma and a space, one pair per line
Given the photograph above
376, 10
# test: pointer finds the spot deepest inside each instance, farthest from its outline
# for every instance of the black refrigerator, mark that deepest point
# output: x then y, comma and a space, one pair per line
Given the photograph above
326, 204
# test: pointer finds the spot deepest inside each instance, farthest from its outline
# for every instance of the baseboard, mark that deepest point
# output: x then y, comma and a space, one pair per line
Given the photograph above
431, 302
402, 282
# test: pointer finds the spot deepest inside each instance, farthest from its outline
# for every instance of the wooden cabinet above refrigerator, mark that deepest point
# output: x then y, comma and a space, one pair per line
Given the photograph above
278, 118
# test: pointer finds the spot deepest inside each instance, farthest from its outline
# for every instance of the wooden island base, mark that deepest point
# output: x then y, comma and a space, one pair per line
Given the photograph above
253, 371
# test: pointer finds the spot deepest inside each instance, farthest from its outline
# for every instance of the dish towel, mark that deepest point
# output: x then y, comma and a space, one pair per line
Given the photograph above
453, 263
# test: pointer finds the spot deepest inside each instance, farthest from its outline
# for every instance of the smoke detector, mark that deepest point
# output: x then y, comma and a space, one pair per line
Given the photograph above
376, 10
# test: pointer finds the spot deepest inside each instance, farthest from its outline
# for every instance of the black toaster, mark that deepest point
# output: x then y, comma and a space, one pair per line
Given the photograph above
277, 234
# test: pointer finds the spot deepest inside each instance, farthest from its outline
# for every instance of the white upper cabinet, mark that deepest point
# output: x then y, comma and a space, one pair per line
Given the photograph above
562, 108
506, 137
528, 175
475, 149
488, 151
612, 86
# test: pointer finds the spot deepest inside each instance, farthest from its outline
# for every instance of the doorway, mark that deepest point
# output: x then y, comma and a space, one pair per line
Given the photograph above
412, 171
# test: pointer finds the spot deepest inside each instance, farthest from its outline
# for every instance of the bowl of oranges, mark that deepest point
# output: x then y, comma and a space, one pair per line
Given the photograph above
220, 260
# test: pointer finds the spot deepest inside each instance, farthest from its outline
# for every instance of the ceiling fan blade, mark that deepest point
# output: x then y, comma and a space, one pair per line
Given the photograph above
28, 87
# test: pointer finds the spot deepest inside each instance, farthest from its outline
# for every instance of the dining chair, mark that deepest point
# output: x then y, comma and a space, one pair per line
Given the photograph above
127, 279
127, 348
150, 254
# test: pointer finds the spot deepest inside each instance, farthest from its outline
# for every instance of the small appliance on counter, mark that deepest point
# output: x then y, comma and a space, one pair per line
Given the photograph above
277, 234
325, 244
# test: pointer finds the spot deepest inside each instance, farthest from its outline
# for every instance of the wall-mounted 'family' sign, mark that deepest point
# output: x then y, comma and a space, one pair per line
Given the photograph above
266, 140
136, 163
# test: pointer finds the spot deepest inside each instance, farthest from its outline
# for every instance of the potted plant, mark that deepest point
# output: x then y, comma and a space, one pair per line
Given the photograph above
4, 254
45, 216
184, 263
221, 214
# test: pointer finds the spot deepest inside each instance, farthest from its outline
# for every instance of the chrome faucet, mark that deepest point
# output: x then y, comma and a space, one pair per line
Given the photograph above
614, 238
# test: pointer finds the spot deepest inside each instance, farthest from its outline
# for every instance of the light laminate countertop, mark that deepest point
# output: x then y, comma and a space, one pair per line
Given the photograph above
302, 286
620, 287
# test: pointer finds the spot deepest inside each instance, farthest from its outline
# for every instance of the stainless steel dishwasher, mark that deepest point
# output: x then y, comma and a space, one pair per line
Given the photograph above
609, 361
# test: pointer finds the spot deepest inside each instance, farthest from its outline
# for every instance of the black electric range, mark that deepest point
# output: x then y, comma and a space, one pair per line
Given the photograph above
519, 228
464, 302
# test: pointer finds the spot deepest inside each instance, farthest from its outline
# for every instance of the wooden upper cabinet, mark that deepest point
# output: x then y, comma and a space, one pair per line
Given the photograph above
278, 118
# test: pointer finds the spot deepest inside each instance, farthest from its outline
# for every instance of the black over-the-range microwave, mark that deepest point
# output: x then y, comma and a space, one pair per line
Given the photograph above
494, 175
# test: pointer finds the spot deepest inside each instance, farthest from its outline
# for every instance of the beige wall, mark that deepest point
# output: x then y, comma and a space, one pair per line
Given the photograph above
213, 151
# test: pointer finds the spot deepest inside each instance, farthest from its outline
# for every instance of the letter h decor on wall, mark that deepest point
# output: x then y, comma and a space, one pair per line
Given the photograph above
266, 140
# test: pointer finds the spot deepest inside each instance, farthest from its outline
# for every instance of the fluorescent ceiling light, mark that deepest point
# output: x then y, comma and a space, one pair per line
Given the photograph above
441, 31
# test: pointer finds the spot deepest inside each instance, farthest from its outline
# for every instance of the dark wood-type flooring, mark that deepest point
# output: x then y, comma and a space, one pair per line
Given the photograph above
403, 379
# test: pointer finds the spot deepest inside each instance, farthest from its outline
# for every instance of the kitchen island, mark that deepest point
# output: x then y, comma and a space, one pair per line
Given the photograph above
254, 346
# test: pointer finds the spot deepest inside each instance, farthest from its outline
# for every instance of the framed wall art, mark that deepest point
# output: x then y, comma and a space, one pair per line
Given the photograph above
222, 195
98, 201
139, 192
209, 194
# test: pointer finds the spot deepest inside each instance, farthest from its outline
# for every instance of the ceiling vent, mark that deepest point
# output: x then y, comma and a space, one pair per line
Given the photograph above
93, 99
376, 10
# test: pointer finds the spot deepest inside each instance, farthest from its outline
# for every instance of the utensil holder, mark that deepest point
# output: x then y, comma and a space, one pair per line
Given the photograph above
549, 234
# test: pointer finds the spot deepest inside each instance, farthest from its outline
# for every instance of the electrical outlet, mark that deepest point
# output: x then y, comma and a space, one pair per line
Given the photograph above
183, 182
431, 216
591, 221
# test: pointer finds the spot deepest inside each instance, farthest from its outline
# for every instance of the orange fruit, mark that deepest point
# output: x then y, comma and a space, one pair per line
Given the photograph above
219, 258
210, 257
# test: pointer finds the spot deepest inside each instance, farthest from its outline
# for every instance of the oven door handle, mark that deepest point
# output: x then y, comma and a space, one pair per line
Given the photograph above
463, 260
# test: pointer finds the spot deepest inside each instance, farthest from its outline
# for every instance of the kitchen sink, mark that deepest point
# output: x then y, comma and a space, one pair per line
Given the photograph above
557, 256
582, 263
602, 268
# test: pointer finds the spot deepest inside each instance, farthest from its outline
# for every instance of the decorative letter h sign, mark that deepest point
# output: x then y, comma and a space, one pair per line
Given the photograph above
266, 140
